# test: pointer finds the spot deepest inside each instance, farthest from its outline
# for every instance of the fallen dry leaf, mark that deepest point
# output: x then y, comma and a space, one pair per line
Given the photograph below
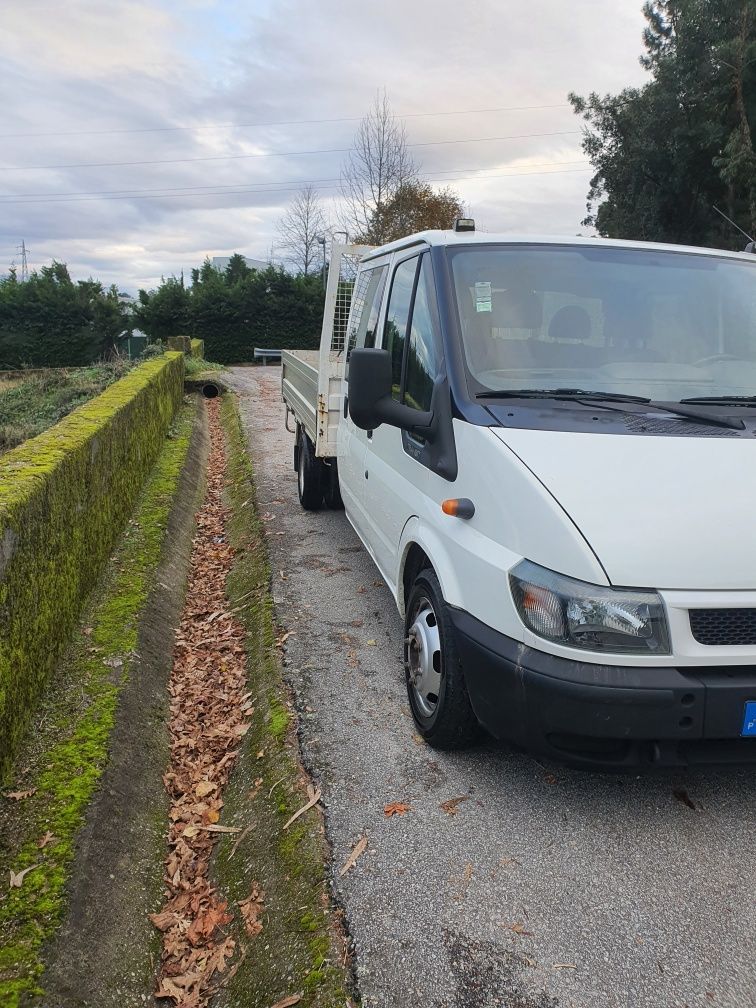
313, 796
373, 643
17, 878
395, 808
205, 923
45, 840
520, 929
357, 851
550, 778
287, 1002
450, 806
205, 788
251, 908
20, 795
215, 828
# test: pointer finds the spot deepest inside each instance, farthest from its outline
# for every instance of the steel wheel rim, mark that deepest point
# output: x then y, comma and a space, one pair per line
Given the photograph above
424, 658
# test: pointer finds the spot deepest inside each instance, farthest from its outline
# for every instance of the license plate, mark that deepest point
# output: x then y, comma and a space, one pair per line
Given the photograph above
749, 719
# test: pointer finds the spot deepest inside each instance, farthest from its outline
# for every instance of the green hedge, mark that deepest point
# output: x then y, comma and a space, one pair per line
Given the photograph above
198, 348
65, 497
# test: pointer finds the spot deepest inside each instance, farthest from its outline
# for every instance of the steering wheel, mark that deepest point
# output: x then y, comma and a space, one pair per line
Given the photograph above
714, 358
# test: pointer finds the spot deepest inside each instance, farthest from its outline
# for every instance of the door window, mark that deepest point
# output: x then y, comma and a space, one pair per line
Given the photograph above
397, 317
421, 366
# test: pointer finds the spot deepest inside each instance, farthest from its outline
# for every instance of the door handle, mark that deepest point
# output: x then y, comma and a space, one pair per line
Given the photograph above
346, 406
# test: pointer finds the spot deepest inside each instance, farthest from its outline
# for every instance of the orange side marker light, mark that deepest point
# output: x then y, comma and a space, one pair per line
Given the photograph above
458, 507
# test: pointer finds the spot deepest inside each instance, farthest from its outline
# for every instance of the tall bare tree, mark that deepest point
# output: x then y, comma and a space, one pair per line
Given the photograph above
299, 229
376, 168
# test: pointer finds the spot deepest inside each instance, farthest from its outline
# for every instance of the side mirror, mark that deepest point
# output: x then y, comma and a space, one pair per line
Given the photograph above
370, 400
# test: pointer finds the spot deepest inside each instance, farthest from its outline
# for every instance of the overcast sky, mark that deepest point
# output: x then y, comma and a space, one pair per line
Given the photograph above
217, 92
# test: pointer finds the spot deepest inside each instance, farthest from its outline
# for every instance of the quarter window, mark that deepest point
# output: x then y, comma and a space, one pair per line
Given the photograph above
367, 307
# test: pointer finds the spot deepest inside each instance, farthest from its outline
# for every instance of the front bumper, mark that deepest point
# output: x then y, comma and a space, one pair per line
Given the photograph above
609, 717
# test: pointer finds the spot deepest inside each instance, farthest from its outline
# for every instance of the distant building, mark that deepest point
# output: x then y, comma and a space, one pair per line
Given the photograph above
221, 262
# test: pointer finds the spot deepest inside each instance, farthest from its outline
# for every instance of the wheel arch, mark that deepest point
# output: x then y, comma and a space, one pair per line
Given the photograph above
420, 548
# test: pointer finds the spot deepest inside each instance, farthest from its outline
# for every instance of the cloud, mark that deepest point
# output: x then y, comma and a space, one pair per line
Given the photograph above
166, 65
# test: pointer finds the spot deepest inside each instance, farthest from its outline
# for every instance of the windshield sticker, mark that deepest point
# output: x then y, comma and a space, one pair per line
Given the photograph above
483, 297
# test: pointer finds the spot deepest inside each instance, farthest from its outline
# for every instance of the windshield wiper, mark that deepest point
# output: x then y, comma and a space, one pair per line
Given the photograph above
689, 411
561, 393
724, 400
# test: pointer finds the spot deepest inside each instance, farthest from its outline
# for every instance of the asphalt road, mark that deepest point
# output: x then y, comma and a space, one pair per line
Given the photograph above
548, 888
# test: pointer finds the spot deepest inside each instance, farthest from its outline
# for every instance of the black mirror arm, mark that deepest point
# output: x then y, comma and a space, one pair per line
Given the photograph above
405, 417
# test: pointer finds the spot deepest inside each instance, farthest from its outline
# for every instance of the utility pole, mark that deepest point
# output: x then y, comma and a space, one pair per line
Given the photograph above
23, 250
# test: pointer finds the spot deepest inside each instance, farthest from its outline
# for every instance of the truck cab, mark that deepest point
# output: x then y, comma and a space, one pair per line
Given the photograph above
548, 447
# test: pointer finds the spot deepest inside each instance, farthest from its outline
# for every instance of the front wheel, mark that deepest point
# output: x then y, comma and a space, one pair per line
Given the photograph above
309, 475
435, 682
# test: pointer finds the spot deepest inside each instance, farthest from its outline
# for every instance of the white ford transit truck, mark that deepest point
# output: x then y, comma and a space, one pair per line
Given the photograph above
548, 447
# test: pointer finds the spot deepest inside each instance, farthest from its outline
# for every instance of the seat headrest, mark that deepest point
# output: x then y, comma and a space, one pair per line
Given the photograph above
516, 309
571, 322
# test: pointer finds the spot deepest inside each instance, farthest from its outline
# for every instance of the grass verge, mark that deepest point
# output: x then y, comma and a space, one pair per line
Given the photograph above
299, 950
196, 365
31, 405
64, 757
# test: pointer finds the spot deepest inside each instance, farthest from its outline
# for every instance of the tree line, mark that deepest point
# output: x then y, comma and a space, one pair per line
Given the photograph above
235, 310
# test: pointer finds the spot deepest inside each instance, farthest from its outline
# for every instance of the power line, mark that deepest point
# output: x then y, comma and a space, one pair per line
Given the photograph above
13, 197
243, 157
278, 122
286, 188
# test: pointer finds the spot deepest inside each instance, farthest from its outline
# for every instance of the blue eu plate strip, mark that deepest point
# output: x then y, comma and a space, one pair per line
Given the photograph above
749, 720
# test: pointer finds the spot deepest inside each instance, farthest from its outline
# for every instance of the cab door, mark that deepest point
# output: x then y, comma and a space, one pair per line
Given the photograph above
396, 478
364, 317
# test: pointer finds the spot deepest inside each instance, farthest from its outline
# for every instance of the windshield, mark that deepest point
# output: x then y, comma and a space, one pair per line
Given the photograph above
665, 325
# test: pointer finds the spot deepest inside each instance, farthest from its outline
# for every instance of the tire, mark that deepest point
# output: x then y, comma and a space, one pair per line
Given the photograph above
331, 491
435, 682
309, 475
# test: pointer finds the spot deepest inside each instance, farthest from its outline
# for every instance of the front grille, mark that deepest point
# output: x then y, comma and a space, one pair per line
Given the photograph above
723, 627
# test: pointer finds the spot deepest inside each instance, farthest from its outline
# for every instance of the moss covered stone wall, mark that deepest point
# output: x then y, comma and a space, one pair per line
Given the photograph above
65, 497
198, 348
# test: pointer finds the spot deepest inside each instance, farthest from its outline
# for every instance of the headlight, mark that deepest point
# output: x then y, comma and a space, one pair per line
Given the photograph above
586, 616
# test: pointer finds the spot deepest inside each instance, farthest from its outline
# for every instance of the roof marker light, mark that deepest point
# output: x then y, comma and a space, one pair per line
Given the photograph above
464, 224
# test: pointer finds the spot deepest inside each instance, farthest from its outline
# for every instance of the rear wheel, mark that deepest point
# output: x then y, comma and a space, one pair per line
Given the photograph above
309, 475
435, 682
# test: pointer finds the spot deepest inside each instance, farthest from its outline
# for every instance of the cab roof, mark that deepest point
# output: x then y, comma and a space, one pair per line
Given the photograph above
457, 238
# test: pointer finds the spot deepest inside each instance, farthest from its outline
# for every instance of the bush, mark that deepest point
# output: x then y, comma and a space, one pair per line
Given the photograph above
64, 499
50, 321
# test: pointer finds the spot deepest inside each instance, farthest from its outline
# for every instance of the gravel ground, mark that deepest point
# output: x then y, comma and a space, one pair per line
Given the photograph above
548, 888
